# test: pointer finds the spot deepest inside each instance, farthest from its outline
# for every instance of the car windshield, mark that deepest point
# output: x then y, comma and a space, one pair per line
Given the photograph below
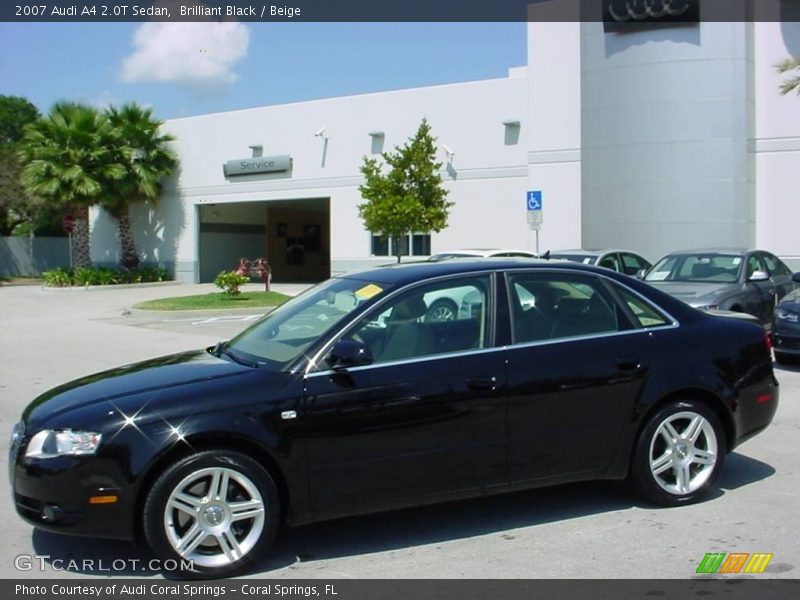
586, 259
285, 334
697, 268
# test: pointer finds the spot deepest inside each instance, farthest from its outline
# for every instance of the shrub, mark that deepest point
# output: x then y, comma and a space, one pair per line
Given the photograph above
152, 273
59, 277
106, 277
230, 282
86, 276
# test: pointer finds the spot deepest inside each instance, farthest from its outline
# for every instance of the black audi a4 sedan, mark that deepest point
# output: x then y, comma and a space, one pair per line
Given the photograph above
346, 400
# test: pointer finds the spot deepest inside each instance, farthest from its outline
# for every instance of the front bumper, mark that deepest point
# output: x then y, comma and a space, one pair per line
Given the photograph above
55, 494
786, 337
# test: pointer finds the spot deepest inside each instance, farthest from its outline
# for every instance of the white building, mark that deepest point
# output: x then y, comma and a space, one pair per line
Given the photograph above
654, 140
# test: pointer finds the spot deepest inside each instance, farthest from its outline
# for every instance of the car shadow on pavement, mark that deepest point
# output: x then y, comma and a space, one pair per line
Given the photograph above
395, 530
739, 471
467, 518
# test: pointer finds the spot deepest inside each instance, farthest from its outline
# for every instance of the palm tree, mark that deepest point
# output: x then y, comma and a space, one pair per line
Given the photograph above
793, 83
148, 161
69, 160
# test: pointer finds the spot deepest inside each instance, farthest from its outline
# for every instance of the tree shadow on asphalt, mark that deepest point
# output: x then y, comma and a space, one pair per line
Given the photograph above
398, 529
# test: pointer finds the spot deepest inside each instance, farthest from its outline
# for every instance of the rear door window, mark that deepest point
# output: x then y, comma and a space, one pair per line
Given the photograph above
557, 306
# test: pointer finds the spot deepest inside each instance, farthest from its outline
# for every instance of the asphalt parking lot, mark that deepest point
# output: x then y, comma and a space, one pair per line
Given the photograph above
587, 530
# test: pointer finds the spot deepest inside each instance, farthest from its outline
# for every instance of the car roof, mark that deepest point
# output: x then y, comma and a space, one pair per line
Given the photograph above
402, 274
409, 272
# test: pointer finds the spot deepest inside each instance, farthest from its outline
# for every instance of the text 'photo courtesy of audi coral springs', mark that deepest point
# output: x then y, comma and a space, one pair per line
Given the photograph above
347, 400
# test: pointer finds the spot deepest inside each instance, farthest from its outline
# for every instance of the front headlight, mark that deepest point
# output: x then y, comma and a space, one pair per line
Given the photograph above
16, 433
787, 315
62, 442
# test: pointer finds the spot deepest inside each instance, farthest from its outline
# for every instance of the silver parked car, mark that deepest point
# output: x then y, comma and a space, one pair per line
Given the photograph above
739, 280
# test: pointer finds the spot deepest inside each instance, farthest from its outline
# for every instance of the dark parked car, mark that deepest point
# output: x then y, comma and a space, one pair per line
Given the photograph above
748, 281
345, 400
622, 261
786, 326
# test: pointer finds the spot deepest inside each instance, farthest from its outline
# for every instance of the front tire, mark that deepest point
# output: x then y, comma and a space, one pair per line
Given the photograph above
679, 453
219, 509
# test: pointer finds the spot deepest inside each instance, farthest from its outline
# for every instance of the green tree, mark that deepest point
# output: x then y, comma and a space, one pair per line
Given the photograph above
409, 197
16, 205
70, 160
792, 83
15, 114
148, 161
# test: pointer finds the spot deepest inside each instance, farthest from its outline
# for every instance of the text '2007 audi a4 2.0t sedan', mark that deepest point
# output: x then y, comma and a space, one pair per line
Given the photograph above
346, 400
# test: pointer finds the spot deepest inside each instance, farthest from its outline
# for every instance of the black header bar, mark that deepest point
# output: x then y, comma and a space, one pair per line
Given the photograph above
733, 588
629, 11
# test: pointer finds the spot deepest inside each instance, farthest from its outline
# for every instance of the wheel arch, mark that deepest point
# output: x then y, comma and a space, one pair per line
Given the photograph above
200, 443
707, 397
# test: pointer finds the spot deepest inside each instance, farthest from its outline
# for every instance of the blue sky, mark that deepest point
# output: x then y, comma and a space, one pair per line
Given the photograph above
183, 69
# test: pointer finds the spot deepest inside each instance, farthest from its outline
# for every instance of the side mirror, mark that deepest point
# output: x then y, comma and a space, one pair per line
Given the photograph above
796, 277
640, 274
757, 276
349, 353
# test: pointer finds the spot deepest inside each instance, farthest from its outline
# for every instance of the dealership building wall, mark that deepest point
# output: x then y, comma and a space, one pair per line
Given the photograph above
652, 140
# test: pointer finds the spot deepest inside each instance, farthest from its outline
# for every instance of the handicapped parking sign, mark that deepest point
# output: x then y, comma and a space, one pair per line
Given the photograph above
535, 200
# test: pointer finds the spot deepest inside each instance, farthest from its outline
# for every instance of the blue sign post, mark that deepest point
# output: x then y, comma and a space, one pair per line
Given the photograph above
533, 203
535, 200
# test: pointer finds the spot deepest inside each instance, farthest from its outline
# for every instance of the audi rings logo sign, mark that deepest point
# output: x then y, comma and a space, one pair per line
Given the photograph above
630, 15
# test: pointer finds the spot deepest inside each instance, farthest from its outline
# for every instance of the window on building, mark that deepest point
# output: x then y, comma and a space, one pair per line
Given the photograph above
415, 244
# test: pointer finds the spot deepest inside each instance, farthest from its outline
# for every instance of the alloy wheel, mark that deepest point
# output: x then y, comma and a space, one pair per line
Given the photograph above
683, 452
214, 516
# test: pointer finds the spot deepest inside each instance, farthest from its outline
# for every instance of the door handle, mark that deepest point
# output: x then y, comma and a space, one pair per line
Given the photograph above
628, 363
482, 384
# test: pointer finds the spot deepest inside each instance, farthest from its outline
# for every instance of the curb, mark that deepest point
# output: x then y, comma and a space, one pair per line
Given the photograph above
189, 314
115, 286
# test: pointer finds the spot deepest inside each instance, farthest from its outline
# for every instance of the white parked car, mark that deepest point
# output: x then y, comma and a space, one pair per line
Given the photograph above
482, 253
449, 308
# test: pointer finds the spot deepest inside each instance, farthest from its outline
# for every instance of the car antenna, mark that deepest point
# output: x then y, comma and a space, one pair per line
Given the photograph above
546, 255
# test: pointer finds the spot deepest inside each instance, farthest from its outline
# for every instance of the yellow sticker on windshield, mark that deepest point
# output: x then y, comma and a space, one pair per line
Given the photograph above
368, 291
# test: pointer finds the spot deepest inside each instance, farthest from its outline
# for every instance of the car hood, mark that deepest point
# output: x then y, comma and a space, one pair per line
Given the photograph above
696, 294
154, 375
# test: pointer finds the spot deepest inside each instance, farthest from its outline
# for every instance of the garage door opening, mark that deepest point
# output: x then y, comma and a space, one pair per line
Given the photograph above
293, 235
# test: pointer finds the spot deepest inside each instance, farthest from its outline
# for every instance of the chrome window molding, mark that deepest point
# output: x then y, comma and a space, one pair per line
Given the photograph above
416, 359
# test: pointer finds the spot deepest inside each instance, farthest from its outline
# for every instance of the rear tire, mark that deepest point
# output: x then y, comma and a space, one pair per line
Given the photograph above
679, 453
218, 508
